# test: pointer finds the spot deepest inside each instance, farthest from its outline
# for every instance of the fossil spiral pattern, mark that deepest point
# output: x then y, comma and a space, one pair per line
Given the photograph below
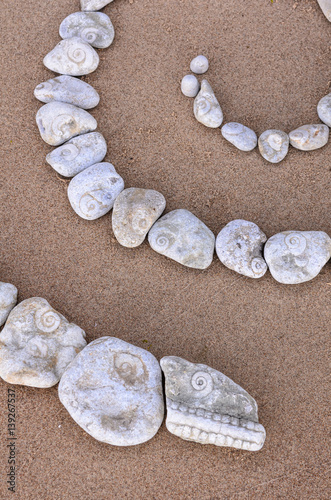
62, 124
296, 243
79, 54
128, 366
89, 203
204, 105
258, 266
89, 34
69, 152
47, 321
141, 220
162, 242
202, 382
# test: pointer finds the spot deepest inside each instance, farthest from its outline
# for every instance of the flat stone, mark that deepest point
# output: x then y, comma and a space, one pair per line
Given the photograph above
273, 145
324, 109
309, 137
239, 247
205, 406
67, 89
113, 390
72, 56
58, 122
326, 8
199, 65
135, 211
240, 136
90, 5
37, 344
181, 236
8, 299
92, 192
94, 28
190, 86
206, 107
297, 256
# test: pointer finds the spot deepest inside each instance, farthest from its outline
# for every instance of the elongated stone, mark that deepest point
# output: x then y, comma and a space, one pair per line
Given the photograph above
181, 236
8, 299
205, 406
91, 5
94, 28
72, 56
309, 137
297, 256
92, 192
273, 145
206, 107
67, 89
240, 136
58, 122
113, 390
324, 109
37, 344
77, 154
135, 211
239, 247
326, 8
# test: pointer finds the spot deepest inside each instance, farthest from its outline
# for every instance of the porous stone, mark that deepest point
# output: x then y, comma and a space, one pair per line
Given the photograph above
324, 109
205, 406
240, 136
72, 56
199, 65
94, 28
135, 211
93, 191
91, 5
297, 256
113, 390
58, 122
206, 107
309, 137
37, 343
190, 86
239, 247
273, 145
67, 89
326, 8
8, 299
181, 236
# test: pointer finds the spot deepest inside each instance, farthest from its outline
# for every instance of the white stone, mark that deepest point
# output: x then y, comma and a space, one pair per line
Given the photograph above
58, 122
94, 28
37, 344
273, 145
8, 299
324, 109
199, 65
135, 211
297, 256
240, 136
309, 137
326, 8
113, 390
206, 107
205, 406
181, 236
72, 56
190, 86
93, 191
239, 247
77, 154
67, 89
91, 5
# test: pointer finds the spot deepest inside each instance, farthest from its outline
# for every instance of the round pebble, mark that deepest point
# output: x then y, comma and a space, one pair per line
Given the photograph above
94, 28
273, 145
199, 65
72, 56
309, 137
190, 86
240, 136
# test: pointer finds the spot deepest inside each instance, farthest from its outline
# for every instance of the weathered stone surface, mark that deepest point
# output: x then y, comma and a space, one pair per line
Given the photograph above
326, 8
37, 344
181, 236
309, 137
297, 256
58, 122
239, 247
199, 65
93, 191
135, 211
206, 107
72, 56
273, 145
240, 136
324, 109
8, 299
113, 390
190, 86
94, 28
205, 406
67, 89
91, 5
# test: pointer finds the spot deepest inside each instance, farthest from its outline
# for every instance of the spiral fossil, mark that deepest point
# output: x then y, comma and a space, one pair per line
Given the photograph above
89, 204
296, 243
62, 124
258, 266
69, 152
47, 321
89, 34
202, 382
78, 54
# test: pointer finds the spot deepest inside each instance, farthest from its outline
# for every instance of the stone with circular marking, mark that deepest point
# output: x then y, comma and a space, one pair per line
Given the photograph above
93, 191
324, 109
273, 145
206, 107
94, 28
199, 65
190, 86
326, 8
72, 56
135, 211
67, 89
240, 136
8, 299
309, 137
37, 343
90, 5
113, 390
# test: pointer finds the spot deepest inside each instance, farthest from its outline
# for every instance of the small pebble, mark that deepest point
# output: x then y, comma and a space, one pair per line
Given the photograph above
273, 145
190, 86
326, 8
309, 137
199, 65
206, 107
240, 136
324, 109
8, 299
91, 5
72, 56
94, 28
67, 89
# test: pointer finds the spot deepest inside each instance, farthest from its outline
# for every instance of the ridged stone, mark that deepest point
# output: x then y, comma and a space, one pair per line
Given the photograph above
8, 299
67, 89
309, 137
240, 136
273, 145
326, 8
324, 109
94, 28
91, 5
72, 56
206, 107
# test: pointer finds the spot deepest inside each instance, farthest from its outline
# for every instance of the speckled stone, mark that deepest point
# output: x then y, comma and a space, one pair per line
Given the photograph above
273, 145
326, 8
190, 86
309, 137
67, 89
8, 299
91, 5
72, 56
199, 65
94, 28
206, 107
240, 136
324, 109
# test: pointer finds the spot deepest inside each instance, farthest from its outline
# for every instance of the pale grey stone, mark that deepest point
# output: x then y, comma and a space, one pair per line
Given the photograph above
199, 65
190, 86
91, 5
240, 136
94, 28
273, 145
67, 89
135, 211
297, 256
206, 107
8, 299
309, 137
181, 236
239, 247
205, 406
37, 343
58, 122
326, 8
324, 109
77, 154
113, 390
93, 191
72, 56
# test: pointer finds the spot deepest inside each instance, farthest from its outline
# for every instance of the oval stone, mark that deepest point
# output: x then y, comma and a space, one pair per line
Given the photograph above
199, 65
240, 136
72, 56
8, 299
273, 145
67, 89
190, 85
309, 137
206, 107
94, 28
324, 109
91, 5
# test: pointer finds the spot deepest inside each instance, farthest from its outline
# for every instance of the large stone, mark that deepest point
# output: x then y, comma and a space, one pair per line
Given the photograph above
206, 107
324, 109
205, 406
72, 56
67, 89
91, 5
94, 28
326, 8
113, 390
240, 136
273, 145
8, 299
309, 137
